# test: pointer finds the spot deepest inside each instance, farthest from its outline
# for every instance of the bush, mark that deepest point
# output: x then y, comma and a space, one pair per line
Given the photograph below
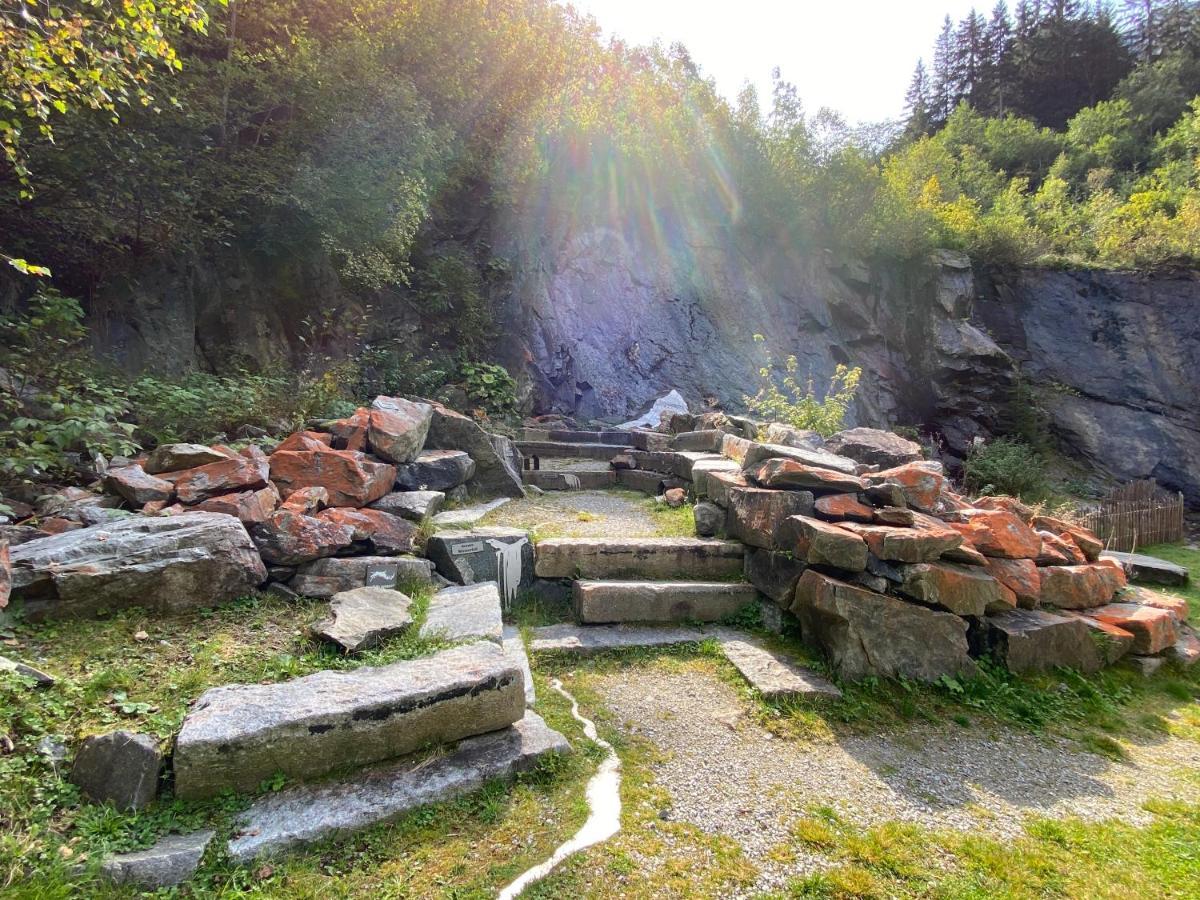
1005, 466
53, 398
783, 398
490, 386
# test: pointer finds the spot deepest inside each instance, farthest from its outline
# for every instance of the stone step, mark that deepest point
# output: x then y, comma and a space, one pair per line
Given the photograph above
467, 516
570, 481
567, 450
299, 816
238, 735
660, 601
639, 558
619, 438
773, 674
584, 639
465, 612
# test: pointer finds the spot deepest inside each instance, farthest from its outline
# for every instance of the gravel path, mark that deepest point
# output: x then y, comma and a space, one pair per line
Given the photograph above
727, 775
579, 514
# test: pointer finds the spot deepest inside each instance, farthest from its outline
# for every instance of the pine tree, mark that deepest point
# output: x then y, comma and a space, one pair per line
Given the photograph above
969, 58
943, 93
997, 69
917, 104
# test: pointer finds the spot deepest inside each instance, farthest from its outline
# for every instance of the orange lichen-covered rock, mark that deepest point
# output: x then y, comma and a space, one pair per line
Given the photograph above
922, 543
1176, 606
820, 543
964, 590
350, 433
921, 482
788, 474
1088, 543
1077, 587
288, 538
844, 508
352, 479
305, 440
251, 507
397, 428
308, 501
1008, 504
1153, 629
998, 532
228, 476
1056, 547
1021, 576
387, 534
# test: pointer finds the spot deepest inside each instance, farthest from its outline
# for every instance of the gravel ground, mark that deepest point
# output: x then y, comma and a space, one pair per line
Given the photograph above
727, 775
579, 514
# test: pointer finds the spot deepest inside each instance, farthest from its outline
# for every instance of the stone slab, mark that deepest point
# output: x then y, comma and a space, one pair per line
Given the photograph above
300, 816
173, 860
236, 736
1149, 569
660, 601
416, 506
640, 558
465, 612
773, 674
565, 450
363, 618
585, 639
641, 480
467, 516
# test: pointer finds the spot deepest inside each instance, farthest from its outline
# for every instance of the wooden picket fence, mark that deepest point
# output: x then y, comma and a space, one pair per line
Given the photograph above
1136, 515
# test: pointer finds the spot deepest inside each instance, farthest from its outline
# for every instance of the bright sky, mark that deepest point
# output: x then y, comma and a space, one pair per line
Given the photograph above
855, 56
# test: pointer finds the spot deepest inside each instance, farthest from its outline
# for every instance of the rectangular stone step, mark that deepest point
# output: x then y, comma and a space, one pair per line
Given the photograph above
660, 601
1149, 569
773, 674
239, 735
641, 480
565, 450
570, 481
617, 438
299, 816
641, 558
584, 639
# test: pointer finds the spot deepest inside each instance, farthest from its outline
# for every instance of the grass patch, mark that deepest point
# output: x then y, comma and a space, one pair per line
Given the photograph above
671, 521
1054, 858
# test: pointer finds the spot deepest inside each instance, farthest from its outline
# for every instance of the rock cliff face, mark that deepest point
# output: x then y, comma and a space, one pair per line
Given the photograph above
604, 320
1113, 358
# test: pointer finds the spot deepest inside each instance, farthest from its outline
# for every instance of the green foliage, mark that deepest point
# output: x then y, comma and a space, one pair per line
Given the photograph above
490, 386
55, 399
1005, 466
782, 397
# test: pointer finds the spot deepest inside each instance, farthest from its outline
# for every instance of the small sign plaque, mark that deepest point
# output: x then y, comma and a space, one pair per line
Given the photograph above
381, 575
467, 548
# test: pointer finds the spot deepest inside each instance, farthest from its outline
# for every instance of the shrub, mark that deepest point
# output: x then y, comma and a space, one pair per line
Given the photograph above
54, 399
782, 397
490, 386
1006, 466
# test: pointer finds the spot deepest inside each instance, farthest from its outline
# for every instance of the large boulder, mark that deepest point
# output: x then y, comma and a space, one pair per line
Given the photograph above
774, 573
924, 542
436, 470
755, 514
497, 460
502, 555
1153, 629
865, 634
416, 506
290, 538
136, 486
874, 447
788, 474
1021, 576
963, 590
1033, 640
921, 483
379, 532
818, 543
790, 436
997, 532
1078, 587
755, 454
176, 457
230, 475
398, 428
164, 564
351, 478
250, 507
